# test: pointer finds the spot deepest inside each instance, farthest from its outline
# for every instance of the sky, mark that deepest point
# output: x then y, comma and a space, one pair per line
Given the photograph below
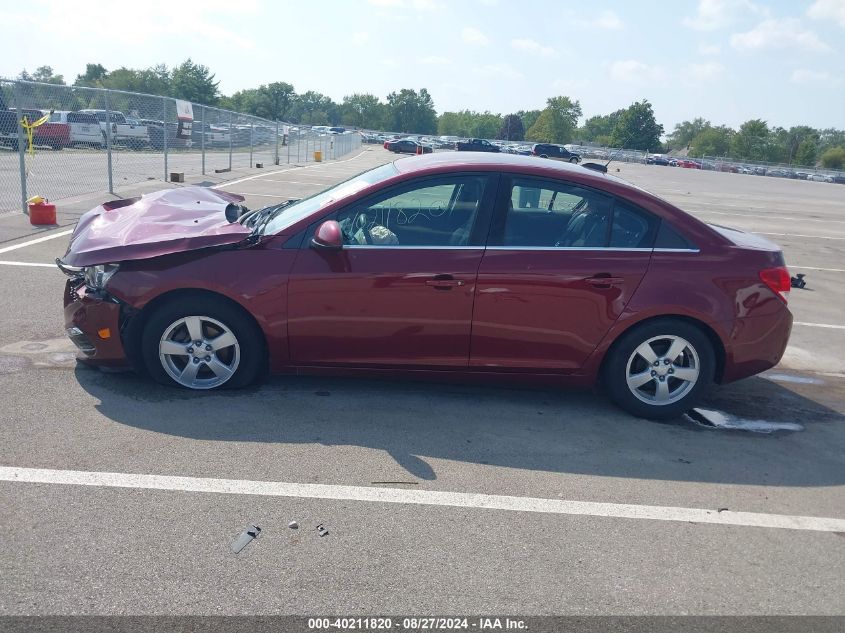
725, 60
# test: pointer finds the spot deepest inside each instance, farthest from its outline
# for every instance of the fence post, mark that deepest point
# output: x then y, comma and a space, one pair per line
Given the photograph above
298, 142
164, 120
21, 148
231, 134
202, 136
288, 143
250, 144
277, 142
109, 141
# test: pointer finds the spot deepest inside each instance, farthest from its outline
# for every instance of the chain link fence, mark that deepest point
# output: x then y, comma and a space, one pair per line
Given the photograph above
64, 141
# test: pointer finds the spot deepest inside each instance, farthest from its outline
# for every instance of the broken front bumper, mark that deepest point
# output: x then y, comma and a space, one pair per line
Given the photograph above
92, 322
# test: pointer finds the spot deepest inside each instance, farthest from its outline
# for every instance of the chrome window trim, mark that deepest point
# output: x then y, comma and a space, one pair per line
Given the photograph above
519, 248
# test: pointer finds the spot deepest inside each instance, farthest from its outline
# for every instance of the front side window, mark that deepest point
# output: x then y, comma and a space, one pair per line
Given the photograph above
632, 228
435, 212
552, 214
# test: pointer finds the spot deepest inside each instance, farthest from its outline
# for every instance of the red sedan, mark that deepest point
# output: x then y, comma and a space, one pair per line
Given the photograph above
471, 265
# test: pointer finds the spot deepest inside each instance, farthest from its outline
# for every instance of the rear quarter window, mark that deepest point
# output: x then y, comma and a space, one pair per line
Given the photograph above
669, 237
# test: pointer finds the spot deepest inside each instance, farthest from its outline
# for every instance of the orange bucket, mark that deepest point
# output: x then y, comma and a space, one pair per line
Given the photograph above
42, 213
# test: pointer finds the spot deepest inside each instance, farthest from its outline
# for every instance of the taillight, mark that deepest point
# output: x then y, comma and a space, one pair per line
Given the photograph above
777, 279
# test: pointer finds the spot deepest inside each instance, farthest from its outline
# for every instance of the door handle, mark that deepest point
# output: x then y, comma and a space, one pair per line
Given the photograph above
443, 282
604, 280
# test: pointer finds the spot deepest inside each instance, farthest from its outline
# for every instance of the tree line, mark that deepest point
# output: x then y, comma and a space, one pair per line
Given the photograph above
412, 111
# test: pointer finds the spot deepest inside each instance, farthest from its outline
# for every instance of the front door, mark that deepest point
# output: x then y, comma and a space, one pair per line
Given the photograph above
400, 292
562, 263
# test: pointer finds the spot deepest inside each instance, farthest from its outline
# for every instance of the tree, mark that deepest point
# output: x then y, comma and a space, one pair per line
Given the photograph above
315, 108
712, 141
529, 117
751, 140
512, 128
154, 80
685, 132
556, 124
807, 153
363, 111
94, 74
599, 126
44, 75
194, 82
275, 100
637, 128
834, 158
409, 111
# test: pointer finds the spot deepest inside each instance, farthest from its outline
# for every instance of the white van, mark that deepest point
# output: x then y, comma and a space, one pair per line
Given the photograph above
84, 128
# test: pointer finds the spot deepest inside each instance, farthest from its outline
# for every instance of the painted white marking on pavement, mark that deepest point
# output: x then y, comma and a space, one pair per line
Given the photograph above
5, 263
764, 215
14, 247
818, 237
826, 325
826, 270
419, 497
279, 171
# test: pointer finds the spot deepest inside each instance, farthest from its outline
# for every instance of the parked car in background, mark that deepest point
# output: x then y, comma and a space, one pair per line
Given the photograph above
686, 163
657, 159
780, 173
408, 146
516, 269
84, 128
120, 131
477, 145
820, 177
555, 152
155, 130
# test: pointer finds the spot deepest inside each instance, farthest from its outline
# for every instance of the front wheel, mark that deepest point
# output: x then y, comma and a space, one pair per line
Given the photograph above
660, 369
574, 160
204, 344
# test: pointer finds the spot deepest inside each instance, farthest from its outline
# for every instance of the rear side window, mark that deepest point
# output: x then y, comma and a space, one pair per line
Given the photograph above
632, 227
668, 237
81, 117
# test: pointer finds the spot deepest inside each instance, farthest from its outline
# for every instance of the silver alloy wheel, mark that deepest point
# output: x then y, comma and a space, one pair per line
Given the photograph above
662, 370
199, 352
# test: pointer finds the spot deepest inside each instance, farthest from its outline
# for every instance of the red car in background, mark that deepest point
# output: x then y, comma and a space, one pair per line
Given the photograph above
488, 266
55, 135
688, 164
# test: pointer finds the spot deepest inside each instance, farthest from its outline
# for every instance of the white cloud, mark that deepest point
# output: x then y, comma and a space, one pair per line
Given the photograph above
608, 20
505, 71
472, 35
569, 86
361, 37
828, 10
420, 5
633, 72
534, 47
709, 49
708, 71
389, 63
434, 60
718, 14
805, 75
778, 33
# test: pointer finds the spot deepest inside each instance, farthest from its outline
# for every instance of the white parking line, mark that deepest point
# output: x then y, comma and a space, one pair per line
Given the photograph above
6, 263
825, 325
768, 217
818, 237
420, 497
826, 270
279, 171
15, 247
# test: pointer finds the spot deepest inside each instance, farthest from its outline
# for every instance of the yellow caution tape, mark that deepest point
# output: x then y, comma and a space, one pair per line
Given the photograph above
29, 127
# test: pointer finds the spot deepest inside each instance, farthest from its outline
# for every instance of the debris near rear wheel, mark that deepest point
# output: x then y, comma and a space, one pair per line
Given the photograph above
798, 281
321, 530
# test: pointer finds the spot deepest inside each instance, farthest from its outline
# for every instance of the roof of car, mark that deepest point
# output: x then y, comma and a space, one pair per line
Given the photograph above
508, 162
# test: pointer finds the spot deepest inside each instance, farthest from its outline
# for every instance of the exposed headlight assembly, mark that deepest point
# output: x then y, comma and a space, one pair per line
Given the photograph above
96, 277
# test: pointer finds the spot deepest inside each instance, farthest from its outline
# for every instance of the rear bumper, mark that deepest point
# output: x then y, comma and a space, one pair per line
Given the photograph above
756, 344
92, 322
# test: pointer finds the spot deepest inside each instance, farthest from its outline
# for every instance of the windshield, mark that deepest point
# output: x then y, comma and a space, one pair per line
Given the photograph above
305, 207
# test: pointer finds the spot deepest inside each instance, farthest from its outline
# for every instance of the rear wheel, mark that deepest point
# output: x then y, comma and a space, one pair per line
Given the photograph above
660, 369
202, 344
574, 159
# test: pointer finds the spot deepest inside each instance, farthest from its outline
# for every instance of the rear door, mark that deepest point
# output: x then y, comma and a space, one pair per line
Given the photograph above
400, 292
561, 265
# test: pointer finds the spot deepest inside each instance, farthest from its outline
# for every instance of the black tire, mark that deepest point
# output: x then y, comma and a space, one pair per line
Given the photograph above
252, 346
574, 160
615, 370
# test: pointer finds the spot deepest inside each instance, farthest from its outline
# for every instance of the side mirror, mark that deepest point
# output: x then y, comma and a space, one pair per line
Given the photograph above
328, 236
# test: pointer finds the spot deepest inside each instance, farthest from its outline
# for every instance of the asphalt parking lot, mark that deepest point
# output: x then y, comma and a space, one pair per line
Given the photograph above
437, 498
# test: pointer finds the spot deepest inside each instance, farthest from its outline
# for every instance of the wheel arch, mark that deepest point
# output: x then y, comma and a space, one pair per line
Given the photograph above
134, 323
715, 340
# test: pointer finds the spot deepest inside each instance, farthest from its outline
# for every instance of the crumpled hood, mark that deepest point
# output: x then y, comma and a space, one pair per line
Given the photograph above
159, 223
